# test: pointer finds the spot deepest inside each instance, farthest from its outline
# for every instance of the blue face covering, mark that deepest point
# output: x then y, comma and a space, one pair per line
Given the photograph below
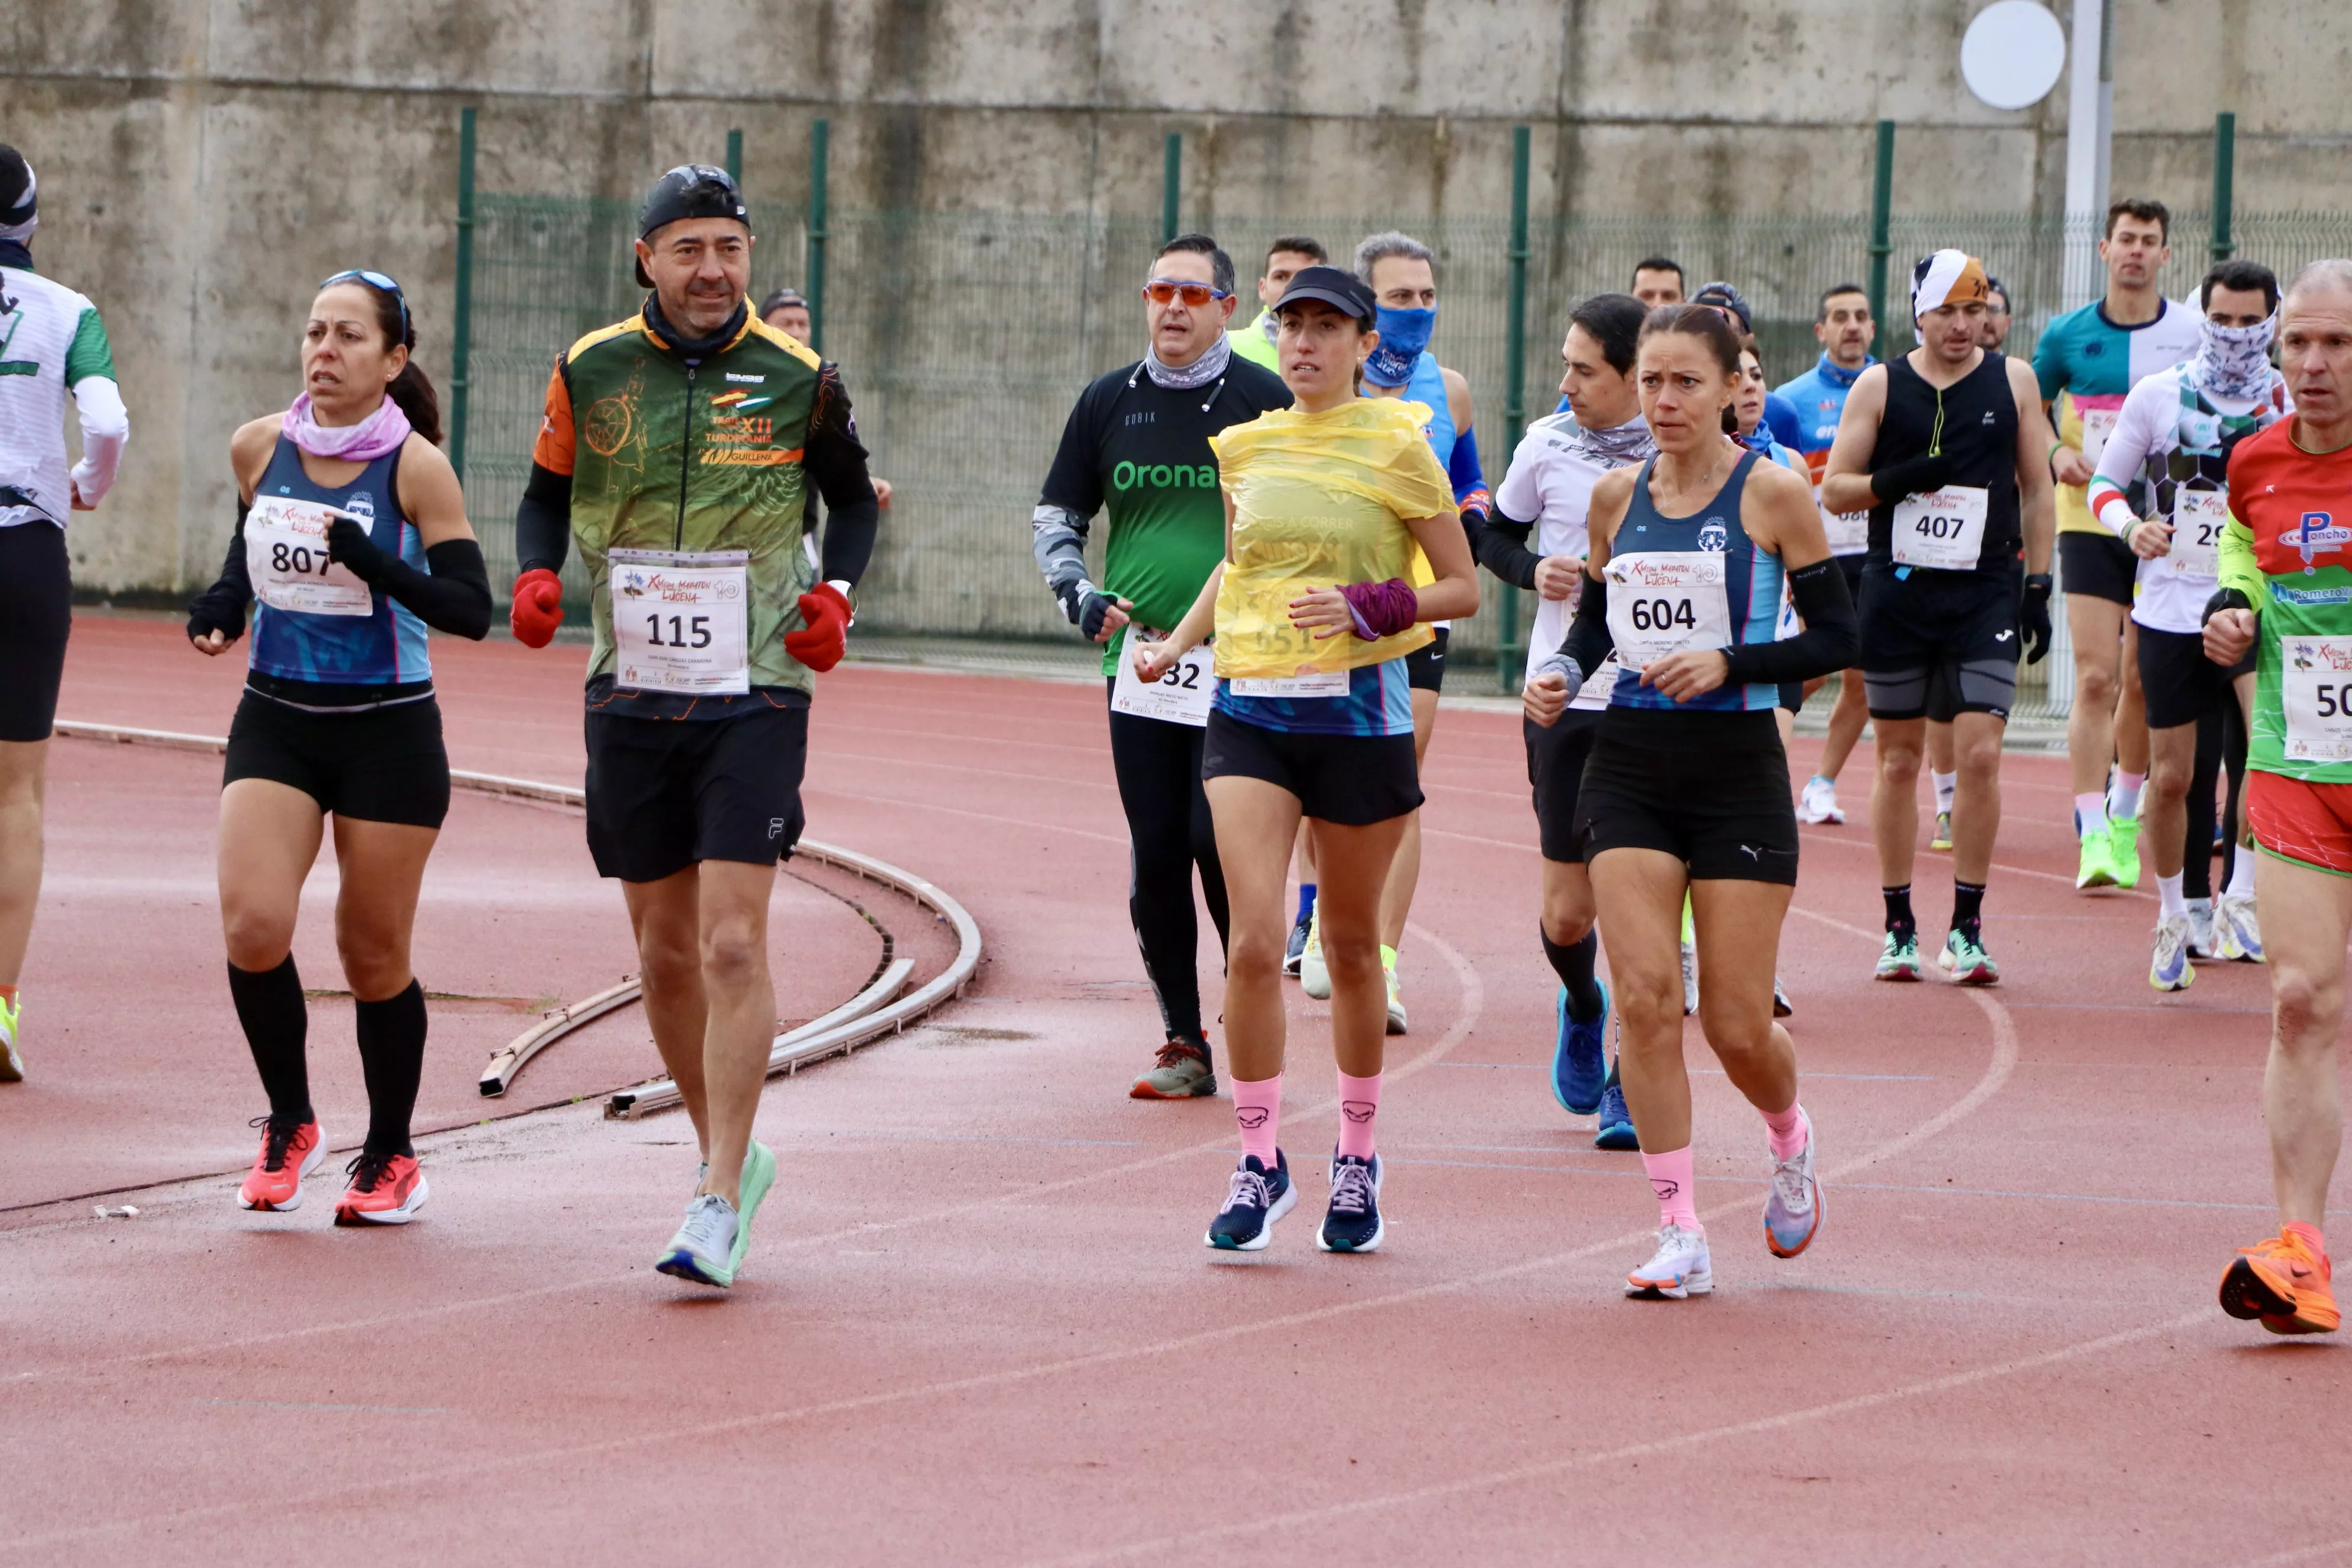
1404, 335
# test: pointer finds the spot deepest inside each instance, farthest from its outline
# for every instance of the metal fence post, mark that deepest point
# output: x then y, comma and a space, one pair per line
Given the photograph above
820, 137
735, 157
1515, 406
2225, 162
1882, 202
1171, 182
462, 330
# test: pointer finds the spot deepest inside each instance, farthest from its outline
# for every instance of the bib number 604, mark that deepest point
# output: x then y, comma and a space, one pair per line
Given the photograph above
1664, 615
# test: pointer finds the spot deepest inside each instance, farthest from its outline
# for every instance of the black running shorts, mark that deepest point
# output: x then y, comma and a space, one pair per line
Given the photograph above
2180, 683
668, 794
1351, 780
1424, 667
2097, 564
35, 614
1556, 759
372, 765
1710, 789
1938, 644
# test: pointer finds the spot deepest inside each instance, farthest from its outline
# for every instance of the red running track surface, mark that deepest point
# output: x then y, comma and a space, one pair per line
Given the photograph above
979, 1325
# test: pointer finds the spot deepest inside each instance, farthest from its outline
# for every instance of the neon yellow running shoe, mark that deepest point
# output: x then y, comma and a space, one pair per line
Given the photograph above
2123, 849
12, 1065
2097, 868
1943, 839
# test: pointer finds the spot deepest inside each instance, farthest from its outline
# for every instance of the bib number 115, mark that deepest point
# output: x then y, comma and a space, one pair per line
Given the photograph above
684, 631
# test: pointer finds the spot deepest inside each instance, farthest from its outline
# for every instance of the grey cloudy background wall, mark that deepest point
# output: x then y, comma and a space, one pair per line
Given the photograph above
205, 162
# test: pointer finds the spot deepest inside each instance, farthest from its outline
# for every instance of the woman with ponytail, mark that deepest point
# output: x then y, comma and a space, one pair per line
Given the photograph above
352, 535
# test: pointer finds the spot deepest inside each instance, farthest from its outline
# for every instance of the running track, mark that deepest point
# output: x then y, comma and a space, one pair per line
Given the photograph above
980, 1327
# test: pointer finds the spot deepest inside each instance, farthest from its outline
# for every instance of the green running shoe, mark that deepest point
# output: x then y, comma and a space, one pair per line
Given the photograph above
2123, 850
1899, 960
12, 1018
2097, 868
759, 1175
1971, 964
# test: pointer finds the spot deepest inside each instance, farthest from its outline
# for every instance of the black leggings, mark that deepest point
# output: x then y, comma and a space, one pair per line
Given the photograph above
2221, 742
1159, 768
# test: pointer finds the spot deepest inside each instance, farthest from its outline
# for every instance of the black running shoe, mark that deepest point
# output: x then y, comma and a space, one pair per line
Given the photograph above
1353, 1224
1256, 1200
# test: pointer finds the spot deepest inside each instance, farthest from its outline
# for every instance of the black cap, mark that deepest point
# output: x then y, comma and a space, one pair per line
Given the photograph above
16, 187
691, 190
1342, 290
779, 299
1725, 295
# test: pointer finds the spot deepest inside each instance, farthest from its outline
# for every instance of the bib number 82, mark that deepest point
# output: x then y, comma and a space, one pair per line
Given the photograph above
684, 631
1182, 678
1664, 615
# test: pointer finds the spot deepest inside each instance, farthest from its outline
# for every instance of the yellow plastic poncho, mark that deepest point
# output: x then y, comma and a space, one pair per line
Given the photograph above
1321, 499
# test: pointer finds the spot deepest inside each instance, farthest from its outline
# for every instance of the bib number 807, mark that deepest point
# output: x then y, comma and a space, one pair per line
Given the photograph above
684, 631
300, 559
1664, 615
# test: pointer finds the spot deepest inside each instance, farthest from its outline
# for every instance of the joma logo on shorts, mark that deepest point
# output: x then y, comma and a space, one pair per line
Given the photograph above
1164, 475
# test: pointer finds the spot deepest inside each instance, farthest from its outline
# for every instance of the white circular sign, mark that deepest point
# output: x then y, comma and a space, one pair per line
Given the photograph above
2013, 54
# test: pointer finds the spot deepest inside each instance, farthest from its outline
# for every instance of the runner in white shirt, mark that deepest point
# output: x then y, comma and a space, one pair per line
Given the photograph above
52, 345
1547, 495
2177, 427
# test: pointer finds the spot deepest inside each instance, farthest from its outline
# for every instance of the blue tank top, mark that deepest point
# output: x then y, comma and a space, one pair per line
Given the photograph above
1427, 386
385, 647
1752, 582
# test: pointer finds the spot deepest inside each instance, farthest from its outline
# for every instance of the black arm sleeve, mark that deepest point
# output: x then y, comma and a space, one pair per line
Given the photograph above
455, 597
1501, 547
221, 607
542, 523
1588, 641
835, 462
1827, 643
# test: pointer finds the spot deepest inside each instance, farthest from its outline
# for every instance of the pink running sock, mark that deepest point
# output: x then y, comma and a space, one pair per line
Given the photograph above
1360, 1103
1670, 1178
1787, 1130
2309, 1232
1258, 1108
2090, 813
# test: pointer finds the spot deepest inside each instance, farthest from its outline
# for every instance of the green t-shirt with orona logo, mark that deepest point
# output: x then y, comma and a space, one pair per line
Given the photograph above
1140, 452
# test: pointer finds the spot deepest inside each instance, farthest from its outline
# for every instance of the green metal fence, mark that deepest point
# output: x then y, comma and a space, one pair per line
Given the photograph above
965, 337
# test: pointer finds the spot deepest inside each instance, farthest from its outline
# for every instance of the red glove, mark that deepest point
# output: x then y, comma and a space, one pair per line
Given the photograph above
821, 643
538, 608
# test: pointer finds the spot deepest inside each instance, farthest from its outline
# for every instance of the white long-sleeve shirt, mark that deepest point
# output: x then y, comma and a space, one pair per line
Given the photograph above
52, 343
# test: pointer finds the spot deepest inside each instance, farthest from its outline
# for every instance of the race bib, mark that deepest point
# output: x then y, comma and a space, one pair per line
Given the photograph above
1667, 600
1594, 693
286, 556
1942, 529
2197, 519
1322, 683
679, 620
2315, 681
2098, 423
1849, 531
1180, 697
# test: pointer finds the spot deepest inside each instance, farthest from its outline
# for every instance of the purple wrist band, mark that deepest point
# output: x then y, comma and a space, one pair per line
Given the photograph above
1381, 609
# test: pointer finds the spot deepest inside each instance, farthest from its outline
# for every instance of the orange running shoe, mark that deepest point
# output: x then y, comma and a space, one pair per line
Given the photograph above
287, 1155
386, 1189
2284, 1283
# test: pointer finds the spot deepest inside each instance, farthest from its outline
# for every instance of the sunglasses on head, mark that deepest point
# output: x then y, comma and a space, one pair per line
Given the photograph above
378, 281
1162, 291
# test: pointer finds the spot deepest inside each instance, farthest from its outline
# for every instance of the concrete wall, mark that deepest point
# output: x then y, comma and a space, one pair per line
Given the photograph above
205, 162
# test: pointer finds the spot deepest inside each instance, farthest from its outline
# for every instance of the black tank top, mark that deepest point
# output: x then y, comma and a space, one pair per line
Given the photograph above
1974, 422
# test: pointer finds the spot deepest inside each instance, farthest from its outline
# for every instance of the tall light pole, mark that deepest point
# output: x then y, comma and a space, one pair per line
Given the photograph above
2090, 126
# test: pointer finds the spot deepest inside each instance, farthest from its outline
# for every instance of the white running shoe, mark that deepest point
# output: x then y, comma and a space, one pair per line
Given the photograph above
1818, 801
1792, 1208
1680, 1267
1313, 978
1690, 978
2201, 929
1396, 1004
2236, 934
704, 1247
2170, 970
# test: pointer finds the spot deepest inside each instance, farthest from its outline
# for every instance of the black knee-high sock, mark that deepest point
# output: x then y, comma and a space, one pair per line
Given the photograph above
2204, 782
1899, 919
1573, 965
391, 1058
277, 1027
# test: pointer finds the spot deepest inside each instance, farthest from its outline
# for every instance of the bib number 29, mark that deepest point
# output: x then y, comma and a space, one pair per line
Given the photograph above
1664, 615
684, 631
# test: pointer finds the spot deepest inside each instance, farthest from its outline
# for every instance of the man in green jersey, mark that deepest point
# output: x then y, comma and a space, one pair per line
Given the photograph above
1283, 259
676, 450
1137, 445
2287, 587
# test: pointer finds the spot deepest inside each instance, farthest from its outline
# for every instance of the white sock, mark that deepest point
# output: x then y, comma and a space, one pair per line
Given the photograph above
1946, 785
2122, 800
2241, 875
2090, 813
2168, 893
1822, 779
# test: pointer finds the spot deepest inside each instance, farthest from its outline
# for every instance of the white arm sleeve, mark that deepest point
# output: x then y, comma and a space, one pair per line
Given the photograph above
2145, 429
105, 431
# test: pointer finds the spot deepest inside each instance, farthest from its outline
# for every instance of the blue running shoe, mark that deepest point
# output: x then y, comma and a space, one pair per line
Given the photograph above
1353, 1222
1616, 1123
1579, 1059
1253, 1201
